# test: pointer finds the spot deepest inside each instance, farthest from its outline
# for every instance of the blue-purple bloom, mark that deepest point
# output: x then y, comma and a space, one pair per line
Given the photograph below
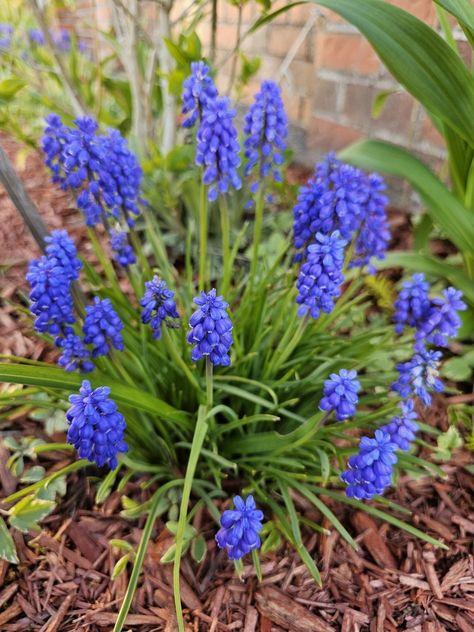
403, 428
240, 528
159, 306
320, 278
413, 303
36, 36
198, 90
373, 235
102, 327
104, 174
74, 354
442, 320
63, 248
50, 295
266, 128
61, 39
211, 329
217, 150
6, 33
123, 251
370, 471
341, 394
96, 427
419, 376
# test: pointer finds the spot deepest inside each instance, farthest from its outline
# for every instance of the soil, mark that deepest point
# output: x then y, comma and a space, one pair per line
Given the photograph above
63, 582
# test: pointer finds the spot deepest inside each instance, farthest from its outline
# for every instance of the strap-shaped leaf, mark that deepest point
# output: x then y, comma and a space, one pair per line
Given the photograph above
446, 210
463, 11
52, 377
416, 56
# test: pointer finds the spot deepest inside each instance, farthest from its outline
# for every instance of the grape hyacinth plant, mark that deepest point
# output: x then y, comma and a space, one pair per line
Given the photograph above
282, 391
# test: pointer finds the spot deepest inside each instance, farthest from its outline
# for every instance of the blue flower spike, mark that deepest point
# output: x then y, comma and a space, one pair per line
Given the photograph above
403, 428
159, 306
341, 394
211, 329
102, 327
198, 90
419, 376
96, 427
240, 528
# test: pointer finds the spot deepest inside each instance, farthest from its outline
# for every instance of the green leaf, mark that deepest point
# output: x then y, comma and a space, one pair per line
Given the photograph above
123, 545
33, 475
51, 377
463, 11
189, 530
380, 100
10, 86
457, 369
198, 549
272, 542
447, 442
415, 55
28, 512
51, 488
120, 566
430, 265
444, 208
7, 546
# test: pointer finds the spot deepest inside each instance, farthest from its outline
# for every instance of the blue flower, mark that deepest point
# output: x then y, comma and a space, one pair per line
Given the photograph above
370, 471
74, 354
320, 278
6, 33
50, 295
403, 429
101, 170
240, 528
123, 251
217, 150
340, 394
63, 248
211, 329
61, 39
413, 303
419, 375
373, 235
158, 306
266, 128
332, 200
36, 36
96, 427
102, 327
442, 320
198, 90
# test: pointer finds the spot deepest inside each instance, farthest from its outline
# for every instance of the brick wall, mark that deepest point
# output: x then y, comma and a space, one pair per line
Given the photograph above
329, 77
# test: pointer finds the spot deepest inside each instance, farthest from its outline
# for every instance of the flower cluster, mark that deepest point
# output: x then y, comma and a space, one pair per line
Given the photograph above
413, 303
123, 251
104, 174
102, 327
6, 33
158, 306
419, 376
370, 470
75, 354
36, 37
340, 394
442, 320
217, 150
61, 247
341, 197
50, 295
240, 528
403, 429
198, 90
266, 128
320, 278
96, 427
211, 329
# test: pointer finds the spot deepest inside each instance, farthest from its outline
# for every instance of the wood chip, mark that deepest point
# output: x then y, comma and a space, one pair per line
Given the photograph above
373, 541
284, 611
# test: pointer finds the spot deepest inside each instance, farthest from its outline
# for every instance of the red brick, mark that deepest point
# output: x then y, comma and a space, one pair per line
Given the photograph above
465, 51
358, 104
296, 16
422, 9
430, 133
292, 106
327, 135
349, 53
302, 77
226, 36
397, 115
281, 38
325, 95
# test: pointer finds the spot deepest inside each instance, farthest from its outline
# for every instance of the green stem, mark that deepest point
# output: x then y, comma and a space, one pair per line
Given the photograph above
285, 349
171, 347
198, 439
257, 235
107, 267
202, 237
226, 258
137, 566
209, 384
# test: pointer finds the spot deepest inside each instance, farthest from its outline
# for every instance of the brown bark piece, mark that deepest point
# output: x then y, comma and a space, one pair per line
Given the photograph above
284, 611
373, 541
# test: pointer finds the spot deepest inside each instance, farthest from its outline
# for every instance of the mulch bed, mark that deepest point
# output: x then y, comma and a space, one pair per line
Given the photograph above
393, 582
